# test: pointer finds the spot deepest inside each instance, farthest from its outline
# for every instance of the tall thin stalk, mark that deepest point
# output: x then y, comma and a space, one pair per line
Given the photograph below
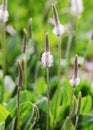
78, 110
25, 57
3, 48
59, 70
18, 101
20, 83
3, 44
68, 51
48, 96
86, 52
4, 18
70, 111
74, 82
47, 61
25, 73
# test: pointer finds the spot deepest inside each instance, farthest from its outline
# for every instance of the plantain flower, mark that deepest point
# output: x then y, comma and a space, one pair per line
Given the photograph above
58, 28
47, 58
76, 7
75, 80
3, 12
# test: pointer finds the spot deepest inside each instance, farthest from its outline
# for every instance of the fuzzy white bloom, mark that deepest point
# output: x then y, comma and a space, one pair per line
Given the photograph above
59, 30
76, 7
3, 14
47, 59
75, 82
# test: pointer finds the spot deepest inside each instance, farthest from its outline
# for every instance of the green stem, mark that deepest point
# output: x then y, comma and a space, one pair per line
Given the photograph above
3, 44
70, 111
85, 54
59, 70
18, 93
25, 73
4, 48
68, 49
48, 96
78, 110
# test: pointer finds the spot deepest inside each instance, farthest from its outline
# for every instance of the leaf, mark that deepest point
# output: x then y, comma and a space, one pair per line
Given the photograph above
12, 105
26, 114
11, 125
42, 106
3, 113
64, 107
86, 104
2, 126
65, 126
40, 86
53, 102
85, 122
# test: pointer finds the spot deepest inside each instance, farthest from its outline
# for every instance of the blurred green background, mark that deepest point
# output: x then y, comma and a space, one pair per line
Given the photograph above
40, 11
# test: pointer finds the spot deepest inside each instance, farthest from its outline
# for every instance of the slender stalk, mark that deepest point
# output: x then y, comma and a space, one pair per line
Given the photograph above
68, 49
59, 70
85, 54
18, 93
24, 57
78, 110
3, 44
25, 73
69, 45
4, 48
48, 96
20, 83
70, 110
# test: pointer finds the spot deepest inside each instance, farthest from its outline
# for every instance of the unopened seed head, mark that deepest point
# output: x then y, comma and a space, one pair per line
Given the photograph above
30, 27
55, 15
20, 69
75, 80
24, 40
47, 43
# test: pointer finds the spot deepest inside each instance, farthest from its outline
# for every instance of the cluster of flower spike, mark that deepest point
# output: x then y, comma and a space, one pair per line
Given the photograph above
75, 80
3, 12
47, 58
76, 8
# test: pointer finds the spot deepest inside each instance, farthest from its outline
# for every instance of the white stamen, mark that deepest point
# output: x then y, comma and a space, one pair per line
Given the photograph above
76, 7
59, 30
75, 82
47, 59
3, 14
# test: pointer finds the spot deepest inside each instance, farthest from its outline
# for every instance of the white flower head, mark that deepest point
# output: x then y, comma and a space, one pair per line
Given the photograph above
58, 28
75, 80
3, 12
4, 15
76, 8
47, 58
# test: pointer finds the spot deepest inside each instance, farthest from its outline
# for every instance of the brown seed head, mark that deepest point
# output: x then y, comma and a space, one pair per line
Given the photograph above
24, 40
20, 69
76, 67
47, 43
55, 14
4, 5
30, 28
